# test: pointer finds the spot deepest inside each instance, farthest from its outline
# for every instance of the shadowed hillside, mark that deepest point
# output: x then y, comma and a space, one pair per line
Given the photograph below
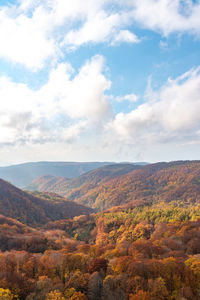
34, 211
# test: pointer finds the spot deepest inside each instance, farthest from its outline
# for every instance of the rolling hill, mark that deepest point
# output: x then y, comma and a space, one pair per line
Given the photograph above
32, 210
64, 186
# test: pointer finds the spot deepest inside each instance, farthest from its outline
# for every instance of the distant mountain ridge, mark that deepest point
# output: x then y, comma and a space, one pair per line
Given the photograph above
64, 186
34, 211
22, 174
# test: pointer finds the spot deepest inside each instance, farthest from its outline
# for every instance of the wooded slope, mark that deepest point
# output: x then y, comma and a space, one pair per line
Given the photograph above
151, 183
34, 211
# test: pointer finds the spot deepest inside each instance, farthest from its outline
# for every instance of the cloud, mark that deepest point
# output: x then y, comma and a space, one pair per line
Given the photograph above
170, 114
81, 96
129, 97
102, 27
167, 16
66, 106
35, 31
26, 40
125, 36
73, 131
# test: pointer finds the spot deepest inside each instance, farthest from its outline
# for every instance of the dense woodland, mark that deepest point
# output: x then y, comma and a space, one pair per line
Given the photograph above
148, 248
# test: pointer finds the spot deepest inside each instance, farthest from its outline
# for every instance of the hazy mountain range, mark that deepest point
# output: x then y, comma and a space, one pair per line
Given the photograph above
22, 174
63, 186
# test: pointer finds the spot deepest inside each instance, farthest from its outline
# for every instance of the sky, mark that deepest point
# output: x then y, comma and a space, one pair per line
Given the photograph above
99, 80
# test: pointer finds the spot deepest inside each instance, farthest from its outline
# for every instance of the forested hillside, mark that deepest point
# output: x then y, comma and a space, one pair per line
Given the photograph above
151, 183
35, 211
83, 183
149, 252
48, 183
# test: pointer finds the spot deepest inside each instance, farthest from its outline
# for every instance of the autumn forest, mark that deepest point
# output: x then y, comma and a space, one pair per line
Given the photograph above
117, 232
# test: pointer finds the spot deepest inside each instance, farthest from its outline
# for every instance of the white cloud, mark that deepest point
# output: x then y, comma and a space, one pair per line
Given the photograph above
125, 36
79, 97
167, 16
172, 113
102, 27
36, 31
26, 40
60, 110
129, 97
72, 104
73, 131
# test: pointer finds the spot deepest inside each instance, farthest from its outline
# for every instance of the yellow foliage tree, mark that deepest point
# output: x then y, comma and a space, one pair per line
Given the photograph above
194, 264
5, 294
54, 295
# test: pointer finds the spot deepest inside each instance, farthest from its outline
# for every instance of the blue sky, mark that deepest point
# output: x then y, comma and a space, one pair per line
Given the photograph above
102, 80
